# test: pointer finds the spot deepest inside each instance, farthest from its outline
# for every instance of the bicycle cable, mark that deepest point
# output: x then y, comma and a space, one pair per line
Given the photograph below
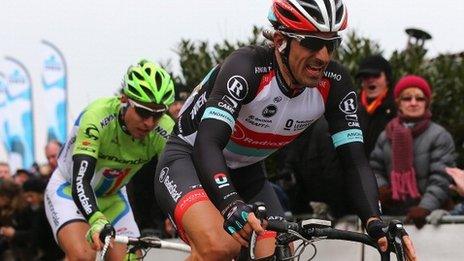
105, 247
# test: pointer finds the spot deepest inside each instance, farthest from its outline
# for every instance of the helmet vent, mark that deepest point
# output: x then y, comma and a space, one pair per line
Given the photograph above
339, 11
133, 90
158, 80
138, 75
149, 93
148, 70
167, 95
313, 10
286, 13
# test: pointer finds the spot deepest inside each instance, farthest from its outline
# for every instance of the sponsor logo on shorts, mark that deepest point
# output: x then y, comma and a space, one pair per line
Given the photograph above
171, 187
54, 214
164, 171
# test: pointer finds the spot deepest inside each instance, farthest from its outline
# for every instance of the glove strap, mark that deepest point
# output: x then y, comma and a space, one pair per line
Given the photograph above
375, 229
96, 216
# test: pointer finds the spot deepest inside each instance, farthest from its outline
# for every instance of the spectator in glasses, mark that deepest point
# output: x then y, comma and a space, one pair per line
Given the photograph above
411, 155
377, 106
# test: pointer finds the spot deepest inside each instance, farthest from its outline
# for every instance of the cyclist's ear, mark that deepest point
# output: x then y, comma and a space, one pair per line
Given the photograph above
124, 98
280, 41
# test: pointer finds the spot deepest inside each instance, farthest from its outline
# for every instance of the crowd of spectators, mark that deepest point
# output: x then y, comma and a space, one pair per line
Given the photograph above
24, 230
412, 156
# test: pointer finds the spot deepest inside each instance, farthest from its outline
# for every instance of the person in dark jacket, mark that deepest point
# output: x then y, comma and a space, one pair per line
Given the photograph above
377, 105
411, 155
319, 176
30, 235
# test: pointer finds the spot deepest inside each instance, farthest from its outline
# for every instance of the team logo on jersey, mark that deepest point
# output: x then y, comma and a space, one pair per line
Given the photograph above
163, 173
237, 87
277, 99
228, 103
348, 104
221, 180
92, 132
238, 133
114, 173
333, 75
269, 111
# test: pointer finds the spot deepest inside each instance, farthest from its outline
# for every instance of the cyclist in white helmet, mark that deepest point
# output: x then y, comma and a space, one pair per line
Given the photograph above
257, 101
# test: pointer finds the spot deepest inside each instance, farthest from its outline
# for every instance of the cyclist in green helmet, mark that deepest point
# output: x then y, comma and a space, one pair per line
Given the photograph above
110, 141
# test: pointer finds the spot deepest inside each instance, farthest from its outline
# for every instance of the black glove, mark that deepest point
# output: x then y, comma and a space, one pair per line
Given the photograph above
376, 229
236, 216
417, 215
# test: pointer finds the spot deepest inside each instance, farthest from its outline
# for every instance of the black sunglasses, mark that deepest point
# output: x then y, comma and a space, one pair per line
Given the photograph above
316, 43
145, 112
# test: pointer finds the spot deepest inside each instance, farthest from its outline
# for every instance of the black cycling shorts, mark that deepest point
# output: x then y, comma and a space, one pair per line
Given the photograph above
177, 186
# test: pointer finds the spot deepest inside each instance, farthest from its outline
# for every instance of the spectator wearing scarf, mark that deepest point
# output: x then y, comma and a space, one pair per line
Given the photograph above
410, 156
377, 106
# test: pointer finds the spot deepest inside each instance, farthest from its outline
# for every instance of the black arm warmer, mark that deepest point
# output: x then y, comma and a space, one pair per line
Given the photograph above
360, 180
82, 193
211, 139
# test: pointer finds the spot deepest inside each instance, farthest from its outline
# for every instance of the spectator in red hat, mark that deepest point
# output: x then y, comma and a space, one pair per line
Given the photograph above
411, 155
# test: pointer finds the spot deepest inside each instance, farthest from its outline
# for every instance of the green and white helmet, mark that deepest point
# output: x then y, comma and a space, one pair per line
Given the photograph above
149, 83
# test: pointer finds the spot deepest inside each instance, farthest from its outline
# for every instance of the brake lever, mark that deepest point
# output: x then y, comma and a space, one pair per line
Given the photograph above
259, 209
395, 235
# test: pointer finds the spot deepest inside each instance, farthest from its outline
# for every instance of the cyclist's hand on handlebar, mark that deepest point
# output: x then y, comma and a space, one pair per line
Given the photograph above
409, 248
240, 222
100, 227
376, 229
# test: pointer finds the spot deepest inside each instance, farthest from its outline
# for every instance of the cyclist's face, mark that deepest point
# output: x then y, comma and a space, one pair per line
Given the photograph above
140, 122
308, 65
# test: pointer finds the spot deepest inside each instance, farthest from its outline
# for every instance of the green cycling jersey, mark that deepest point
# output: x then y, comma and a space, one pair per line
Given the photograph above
98, 132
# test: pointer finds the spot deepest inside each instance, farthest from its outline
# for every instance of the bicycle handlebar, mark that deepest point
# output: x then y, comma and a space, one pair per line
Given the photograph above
145, 243
151, 242
321, 229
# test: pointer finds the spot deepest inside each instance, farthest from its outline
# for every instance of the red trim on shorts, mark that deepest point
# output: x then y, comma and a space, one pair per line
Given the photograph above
185, 203
267, 234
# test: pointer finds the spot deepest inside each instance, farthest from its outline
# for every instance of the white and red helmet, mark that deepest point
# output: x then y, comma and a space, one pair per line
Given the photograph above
307, 16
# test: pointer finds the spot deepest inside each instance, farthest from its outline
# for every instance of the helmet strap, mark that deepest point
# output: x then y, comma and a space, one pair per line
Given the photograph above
284, 50
122, 113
